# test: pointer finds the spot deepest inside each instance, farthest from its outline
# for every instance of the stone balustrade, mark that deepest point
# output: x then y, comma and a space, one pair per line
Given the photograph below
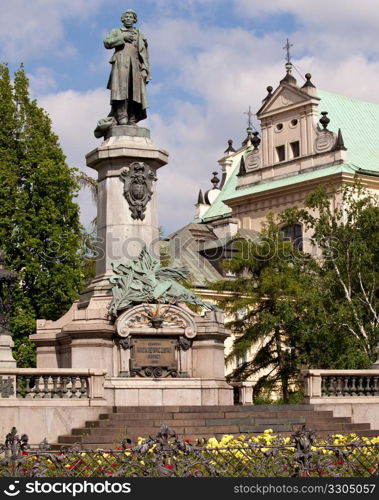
61, 383
341, 383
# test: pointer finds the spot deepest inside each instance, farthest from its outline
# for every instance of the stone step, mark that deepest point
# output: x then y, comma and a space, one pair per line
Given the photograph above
215, 414
193, 422
267, 423
143, 416
197, 409
284, 413
70, 440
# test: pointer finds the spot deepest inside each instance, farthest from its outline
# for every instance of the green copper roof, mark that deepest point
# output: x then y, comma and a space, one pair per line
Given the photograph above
359, 124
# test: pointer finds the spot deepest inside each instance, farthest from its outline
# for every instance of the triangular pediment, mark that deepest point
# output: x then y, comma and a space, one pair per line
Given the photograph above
284, 97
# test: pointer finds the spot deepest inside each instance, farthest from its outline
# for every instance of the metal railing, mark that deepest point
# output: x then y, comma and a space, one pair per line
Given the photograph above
301, 455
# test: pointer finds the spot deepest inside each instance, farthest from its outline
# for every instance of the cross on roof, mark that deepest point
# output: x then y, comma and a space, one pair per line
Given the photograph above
287, 47
249, 114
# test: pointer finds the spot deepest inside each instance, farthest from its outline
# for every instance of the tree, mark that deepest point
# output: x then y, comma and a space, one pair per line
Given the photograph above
344, 224
272, 277
324, 310
39, 220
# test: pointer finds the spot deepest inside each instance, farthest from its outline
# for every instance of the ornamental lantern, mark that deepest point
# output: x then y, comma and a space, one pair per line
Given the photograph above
8, 281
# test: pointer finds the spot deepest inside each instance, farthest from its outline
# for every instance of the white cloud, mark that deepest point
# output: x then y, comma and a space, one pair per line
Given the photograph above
334, 28
42, 80
33, 28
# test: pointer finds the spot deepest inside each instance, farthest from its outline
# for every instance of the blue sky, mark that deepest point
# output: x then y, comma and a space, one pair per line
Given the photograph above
210, 60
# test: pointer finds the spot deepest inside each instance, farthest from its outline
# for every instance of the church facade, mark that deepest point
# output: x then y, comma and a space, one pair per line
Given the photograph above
308, 138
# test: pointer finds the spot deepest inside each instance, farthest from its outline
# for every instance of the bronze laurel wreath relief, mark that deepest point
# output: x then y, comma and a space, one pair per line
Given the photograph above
138, 187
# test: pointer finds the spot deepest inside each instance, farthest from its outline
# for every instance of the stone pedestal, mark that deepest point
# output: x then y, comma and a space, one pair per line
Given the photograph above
120, 236
6, 357
183, 358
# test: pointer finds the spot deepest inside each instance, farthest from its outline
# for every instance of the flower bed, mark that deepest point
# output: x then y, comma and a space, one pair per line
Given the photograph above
264, 455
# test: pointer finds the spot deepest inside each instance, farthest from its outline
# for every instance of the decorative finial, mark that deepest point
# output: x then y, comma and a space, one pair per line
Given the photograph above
255, 141
324, 120
248, 140
249, 114
230, 148
340, 145
287, 47
242, 169
269, 90
289, 78
200, 198
308, 83
215, 180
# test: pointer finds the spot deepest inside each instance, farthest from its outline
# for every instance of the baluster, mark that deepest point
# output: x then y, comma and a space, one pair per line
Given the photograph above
45, 389
360, 387
83, 387
74, 389
353, 391
375, 386
324, 389
19, 388
332, 388
64, 390
54, 390
339, 386
370, 385
37, 389
28, 390
346, 389
367, 386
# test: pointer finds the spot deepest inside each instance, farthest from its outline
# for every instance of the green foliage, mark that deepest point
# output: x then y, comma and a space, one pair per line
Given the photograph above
344, 313
24, 353
40, 230
291, 310
271, 278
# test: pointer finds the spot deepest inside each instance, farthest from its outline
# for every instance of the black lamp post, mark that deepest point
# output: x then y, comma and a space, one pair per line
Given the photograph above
8, 281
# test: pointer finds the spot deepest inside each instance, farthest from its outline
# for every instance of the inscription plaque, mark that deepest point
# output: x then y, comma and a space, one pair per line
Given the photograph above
153, 357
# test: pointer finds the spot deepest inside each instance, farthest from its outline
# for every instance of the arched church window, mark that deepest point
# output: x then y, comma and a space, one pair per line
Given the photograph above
294, 233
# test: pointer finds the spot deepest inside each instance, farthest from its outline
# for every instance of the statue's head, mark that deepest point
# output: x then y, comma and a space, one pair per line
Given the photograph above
129, 13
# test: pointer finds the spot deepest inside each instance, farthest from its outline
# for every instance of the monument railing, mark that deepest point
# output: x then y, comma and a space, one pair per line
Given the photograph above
341, 383
50, 383
301, 455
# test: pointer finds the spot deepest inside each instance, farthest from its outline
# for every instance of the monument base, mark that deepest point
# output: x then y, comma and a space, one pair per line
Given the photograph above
168, 392
179, 361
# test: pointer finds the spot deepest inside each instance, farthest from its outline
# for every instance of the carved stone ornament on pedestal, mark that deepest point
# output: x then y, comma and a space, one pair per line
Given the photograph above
138, 187
138, 319
155, 352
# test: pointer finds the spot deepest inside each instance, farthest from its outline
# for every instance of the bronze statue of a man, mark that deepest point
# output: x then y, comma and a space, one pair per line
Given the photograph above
130, 71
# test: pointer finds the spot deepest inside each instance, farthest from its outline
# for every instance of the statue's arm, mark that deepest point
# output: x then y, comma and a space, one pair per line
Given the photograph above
114, 39
144, 57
